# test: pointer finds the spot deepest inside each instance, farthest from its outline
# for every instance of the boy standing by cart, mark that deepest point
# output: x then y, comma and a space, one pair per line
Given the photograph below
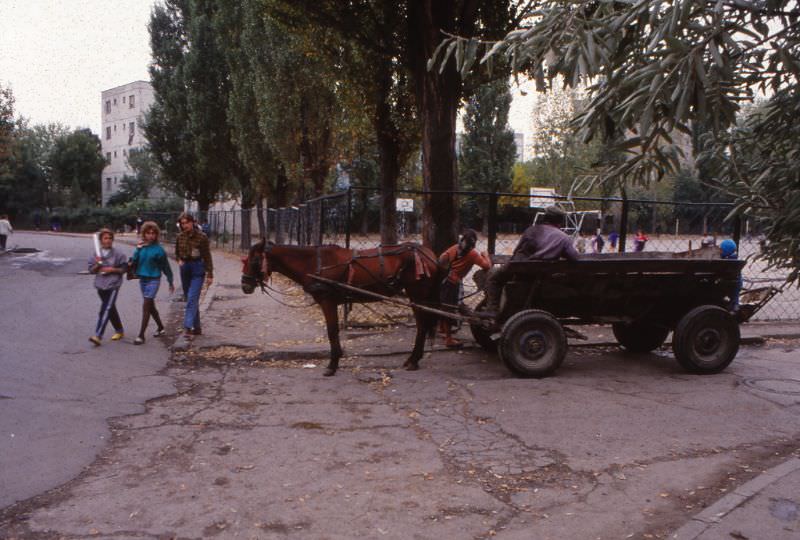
459, 258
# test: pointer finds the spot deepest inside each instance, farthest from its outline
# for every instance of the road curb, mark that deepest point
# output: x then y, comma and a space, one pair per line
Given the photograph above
727, 504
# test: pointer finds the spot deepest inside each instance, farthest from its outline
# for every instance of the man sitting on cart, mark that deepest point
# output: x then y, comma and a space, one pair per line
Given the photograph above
459, 258
543, 241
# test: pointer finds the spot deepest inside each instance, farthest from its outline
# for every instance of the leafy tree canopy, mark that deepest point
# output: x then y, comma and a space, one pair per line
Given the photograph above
77, 162
656, 67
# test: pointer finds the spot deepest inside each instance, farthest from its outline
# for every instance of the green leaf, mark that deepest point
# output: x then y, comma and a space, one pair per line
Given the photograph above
447, 54
469, 56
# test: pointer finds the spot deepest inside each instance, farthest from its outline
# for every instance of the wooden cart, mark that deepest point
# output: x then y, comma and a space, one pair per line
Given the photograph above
643, 297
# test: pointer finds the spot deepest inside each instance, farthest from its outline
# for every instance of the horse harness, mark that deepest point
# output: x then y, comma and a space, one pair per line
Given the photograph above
391, 281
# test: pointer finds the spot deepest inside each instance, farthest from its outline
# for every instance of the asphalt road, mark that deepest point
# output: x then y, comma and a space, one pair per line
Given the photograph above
56, 390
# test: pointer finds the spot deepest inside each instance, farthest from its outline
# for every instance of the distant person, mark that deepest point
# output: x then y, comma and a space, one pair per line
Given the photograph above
709, 240
193, 253
5, 231
205, 227
728, 250
580, 243
540, 242
151, 261
109, 266
613, 238
139, 223
598, 243
459, 258
639, 241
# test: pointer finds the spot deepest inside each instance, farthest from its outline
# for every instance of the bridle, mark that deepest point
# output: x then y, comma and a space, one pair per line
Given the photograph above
259, 277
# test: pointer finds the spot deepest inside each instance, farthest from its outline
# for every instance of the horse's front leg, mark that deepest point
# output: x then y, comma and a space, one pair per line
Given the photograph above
329, 309
424, 325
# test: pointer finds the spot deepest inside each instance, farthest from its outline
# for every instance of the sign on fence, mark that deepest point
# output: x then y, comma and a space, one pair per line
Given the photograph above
405, 205
542, 197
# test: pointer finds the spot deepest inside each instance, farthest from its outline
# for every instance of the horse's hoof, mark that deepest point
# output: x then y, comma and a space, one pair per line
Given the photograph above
329, 372
411, 367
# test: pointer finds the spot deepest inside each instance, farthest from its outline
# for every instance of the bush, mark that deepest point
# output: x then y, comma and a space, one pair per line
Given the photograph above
92, 218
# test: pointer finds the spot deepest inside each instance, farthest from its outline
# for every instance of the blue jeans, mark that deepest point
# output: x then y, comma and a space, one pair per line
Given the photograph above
193, 273
149, 287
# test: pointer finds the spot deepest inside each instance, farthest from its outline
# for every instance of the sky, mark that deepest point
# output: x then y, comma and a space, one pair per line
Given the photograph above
58, 55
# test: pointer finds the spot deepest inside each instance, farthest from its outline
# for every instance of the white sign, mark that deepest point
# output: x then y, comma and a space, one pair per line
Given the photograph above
405, 205
542, 197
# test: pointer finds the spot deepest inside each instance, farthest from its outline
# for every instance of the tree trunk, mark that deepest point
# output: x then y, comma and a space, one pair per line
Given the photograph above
388, 152
438, 96
262, 226
281, 198
246, 211
203, 204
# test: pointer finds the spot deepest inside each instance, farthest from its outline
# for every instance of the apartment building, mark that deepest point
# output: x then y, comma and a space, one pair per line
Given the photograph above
121, 134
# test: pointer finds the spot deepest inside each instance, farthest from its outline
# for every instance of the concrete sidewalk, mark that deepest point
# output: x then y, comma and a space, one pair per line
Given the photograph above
766, 507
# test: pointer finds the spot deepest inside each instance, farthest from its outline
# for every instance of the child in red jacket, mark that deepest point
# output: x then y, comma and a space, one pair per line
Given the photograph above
460, 258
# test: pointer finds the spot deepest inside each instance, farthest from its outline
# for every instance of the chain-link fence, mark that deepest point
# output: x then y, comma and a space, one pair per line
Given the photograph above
353, 219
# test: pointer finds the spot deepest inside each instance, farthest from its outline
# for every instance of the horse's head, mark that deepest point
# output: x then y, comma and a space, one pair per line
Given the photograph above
255, 267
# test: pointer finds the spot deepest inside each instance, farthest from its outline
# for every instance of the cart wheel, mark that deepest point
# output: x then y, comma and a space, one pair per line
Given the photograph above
639, 337
533, 344
482, 334
706, 340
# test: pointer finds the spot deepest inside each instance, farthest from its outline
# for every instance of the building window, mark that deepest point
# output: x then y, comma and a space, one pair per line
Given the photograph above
108, 132
115, 153
108, 106
115, 128
115, 101
130, 102
123, 127
131, 126
108, 184
123, 99
124, 152
108, 156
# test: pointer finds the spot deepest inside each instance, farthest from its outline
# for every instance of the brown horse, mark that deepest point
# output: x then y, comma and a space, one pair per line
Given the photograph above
387, 270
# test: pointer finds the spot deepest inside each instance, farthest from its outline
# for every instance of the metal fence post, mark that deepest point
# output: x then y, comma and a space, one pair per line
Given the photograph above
623, 226
224, 228
492, 224
737, 230
321, 221
347, 217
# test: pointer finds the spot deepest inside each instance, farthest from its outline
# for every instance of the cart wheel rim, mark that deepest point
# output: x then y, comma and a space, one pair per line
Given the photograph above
708, 341
533, 345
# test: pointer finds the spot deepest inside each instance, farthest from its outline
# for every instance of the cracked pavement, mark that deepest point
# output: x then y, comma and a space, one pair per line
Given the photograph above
615, 446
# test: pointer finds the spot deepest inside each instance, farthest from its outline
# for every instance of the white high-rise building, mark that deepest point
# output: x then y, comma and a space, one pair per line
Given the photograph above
519, 143
122, 111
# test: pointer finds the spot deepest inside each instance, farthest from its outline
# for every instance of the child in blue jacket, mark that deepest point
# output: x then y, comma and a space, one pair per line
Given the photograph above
151, 261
